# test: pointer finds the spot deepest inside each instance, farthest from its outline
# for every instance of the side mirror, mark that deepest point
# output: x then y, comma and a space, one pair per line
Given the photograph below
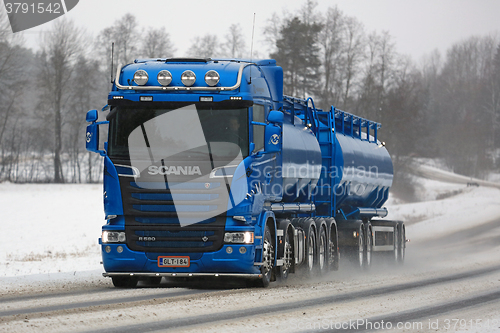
92, 116
272, 138
92, 138
92, 133
275, 117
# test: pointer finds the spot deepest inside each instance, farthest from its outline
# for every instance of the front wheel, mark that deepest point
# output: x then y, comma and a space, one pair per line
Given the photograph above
124, 281
267, 259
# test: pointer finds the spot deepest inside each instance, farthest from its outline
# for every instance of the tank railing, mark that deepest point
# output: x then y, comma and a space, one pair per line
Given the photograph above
312, 115
348, 121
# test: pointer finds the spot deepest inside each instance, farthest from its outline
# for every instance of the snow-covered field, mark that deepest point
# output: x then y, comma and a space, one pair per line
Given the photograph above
50, 232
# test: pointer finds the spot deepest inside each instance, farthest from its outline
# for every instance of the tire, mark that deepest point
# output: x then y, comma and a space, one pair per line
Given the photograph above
311, 249
153, 281
333, 253
322, 252
402, 244
357, 252
268, 250
396, 251
124, 281
367, 258
288, 258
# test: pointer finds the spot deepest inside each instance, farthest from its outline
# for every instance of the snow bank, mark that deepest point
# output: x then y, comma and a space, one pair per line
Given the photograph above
48, 228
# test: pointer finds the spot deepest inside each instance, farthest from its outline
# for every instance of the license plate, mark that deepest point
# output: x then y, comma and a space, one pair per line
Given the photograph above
173, 262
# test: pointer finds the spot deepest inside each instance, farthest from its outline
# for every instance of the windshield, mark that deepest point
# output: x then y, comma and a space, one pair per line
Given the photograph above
188, 133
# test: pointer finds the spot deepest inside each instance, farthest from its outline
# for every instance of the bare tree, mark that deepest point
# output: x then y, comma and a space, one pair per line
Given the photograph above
157, 44
59, 51
330, 41
204, 47
124, 33
234, 45
354, 47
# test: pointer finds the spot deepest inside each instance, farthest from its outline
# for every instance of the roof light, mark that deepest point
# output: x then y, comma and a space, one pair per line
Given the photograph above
212, 78
164, 78
188, 78
141, 77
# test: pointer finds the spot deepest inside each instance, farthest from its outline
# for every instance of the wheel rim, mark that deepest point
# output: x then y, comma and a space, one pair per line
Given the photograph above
396, 244
361, 248
369, 248
322, 250
268, 256
288, 256
310, 252
402, 245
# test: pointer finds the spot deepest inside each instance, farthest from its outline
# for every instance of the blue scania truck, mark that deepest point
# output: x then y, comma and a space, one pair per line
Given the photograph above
210, 171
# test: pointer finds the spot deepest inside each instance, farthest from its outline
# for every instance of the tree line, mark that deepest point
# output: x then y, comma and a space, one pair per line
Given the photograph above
445, 106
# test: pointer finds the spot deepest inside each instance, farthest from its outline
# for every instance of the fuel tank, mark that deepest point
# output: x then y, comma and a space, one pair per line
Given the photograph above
363, 172
301, 158
360, 172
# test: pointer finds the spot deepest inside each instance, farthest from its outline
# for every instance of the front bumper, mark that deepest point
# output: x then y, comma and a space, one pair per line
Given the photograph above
184, 275
218, 263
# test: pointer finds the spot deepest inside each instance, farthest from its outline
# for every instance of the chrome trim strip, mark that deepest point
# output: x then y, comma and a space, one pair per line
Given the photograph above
212, 173
161, 88
246, 276
135, 171
282, 207
263, 162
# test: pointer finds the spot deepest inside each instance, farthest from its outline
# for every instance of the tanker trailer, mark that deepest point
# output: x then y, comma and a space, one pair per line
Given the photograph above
211, 172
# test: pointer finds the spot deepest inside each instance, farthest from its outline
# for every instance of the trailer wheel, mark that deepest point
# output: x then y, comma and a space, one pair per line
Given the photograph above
288, 259
396, 243
267, 259
311, 248
333, 252
323, 251
402, 244
124, 281
367, 258
361, 248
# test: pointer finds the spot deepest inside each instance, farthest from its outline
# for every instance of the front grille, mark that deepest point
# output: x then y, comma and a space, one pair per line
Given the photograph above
152, 221
173, 238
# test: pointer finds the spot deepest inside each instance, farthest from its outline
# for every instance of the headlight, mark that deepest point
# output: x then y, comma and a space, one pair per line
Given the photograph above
164, 78
188, 78
141, 77
212, 78
239, 237
113, 237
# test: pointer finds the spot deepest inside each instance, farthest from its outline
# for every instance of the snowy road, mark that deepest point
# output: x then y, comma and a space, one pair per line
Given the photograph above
450, 282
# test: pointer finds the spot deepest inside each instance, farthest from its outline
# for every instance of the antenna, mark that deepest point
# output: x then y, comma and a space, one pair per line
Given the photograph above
112, 59
251, 48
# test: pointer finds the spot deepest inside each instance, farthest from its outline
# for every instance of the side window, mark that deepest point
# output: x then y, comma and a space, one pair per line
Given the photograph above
258, 130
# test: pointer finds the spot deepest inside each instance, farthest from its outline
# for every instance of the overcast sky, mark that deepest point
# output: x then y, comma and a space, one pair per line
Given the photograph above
417, 26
